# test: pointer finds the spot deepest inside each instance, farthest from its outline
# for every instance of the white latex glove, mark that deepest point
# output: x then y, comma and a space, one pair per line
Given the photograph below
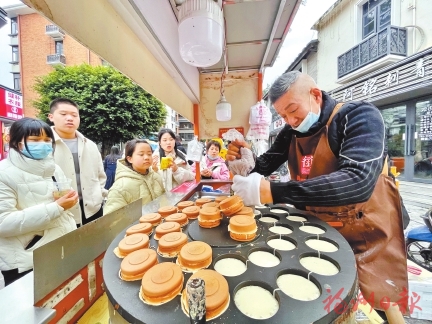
244, 165
248, 188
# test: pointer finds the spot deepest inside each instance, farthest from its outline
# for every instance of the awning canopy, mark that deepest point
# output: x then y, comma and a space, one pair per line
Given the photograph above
140, 39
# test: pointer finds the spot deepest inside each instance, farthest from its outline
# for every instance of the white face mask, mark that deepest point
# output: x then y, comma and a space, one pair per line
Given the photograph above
309, 120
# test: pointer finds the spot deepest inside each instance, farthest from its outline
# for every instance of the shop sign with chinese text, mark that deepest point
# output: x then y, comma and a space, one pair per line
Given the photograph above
11, 105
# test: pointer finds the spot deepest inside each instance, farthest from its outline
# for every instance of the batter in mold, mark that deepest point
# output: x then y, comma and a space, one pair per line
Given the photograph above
311, 229
280, 230
264, 259
267, 219
294, 218
298, 287
280, 244
278, 211
256, 302
230, 267
319, 266
321, 245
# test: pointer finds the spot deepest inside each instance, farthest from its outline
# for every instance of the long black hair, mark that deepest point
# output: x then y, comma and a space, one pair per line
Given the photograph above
176, 150
114, 154
25, 127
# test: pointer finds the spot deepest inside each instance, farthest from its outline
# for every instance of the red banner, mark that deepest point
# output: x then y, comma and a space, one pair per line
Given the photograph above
11, 105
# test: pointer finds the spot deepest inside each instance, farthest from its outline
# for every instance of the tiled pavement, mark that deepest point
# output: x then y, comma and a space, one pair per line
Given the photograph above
417, 199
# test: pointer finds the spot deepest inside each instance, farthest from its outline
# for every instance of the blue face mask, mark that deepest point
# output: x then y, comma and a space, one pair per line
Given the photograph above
212, 158
37, 150
309, 120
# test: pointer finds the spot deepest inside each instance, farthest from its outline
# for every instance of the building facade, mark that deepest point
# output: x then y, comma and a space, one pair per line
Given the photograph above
185, 129
36, 46
305, 62
380, 51
171, 119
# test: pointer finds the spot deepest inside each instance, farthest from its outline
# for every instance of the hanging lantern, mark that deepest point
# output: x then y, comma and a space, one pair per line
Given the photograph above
223, 109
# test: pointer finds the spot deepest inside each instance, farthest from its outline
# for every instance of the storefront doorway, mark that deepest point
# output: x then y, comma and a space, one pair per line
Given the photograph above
4, 139
409, 138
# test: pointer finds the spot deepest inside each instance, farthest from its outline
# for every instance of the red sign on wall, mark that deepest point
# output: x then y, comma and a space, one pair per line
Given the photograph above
11, 105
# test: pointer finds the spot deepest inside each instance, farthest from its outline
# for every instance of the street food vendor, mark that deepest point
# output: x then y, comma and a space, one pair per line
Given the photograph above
336, 154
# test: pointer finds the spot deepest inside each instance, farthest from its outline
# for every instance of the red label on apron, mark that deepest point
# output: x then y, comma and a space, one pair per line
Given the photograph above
306, 165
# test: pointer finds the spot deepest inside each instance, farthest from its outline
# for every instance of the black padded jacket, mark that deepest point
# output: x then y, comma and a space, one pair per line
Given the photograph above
356, 137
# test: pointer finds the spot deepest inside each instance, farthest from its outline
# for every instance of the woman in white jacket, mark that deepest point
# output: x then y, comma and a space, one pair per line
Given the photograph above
178, 170
29, 215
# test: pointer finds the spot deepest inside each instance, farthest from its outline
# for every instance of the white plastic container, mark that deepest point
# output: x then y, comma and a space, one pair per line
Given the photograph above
201, 32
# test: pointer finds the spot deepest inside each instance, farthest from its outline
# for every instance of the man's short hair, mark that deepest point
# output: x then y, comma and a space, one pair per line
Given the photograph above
282, 85
53, 104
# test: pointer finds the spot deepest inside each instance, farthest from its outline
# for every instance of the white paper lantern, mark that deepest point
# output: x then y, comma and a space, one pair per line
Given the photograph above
223, 109
201, 32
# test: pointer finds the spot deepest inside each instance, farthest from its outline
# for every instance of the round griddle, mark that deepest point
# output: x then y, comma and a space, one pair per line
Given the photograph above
334, 289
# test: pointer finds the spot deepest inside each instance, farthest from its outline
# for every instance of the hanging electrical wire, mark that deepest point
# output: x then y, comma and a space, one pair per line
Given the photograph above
224, 55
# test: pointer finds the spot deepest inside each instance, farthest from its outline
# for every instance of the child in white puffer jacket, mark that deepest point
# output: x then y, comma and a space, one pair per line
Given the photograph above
29, 215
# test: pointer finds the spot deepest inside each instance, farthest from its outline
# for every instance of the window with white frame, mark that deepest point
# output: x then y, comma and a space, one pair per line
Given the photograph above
376, 15
59, 47
15, 54
17, 81
14, 26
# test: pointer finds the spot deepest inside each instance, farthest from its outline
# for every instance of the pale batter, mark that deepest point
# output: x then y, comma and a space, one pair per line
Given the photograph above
230, 267
321, 245
280, 230
256, 302
298, 287
320, 266
264, 259
296, 218
311, 229
282, 245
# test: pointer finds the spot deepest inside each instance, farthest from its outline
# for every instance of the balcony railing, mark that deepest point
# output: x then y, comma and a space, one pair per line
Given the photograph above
13, 41
55, 32
54, 59
15, 68
391, 40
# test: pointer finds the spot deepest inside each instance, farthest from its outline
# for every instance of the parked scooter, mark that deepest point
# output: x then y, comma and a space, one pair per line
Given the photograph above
419, 243
424, 166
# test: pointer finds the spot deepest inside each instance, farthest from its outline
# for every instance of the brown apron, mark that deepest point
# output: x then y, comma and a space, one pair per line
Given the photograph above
373, 228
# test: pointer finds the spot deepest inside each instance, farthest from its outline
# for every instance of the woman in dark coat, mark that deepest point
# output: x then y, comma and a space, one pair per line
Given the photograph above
110, 165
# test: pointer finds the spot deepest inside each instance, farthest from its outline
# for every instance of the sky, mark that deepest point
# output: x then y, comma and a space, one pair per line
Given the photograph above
298, 37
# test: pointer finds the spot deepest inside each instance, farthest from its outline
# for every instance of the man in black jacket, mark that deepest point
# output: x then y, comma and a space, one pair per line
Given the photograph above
336, 155
356, 136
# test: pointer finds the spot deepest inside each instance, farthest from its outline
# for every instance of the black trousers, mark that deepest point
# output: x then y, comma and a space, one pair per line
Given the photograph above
13, 275
85, 220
